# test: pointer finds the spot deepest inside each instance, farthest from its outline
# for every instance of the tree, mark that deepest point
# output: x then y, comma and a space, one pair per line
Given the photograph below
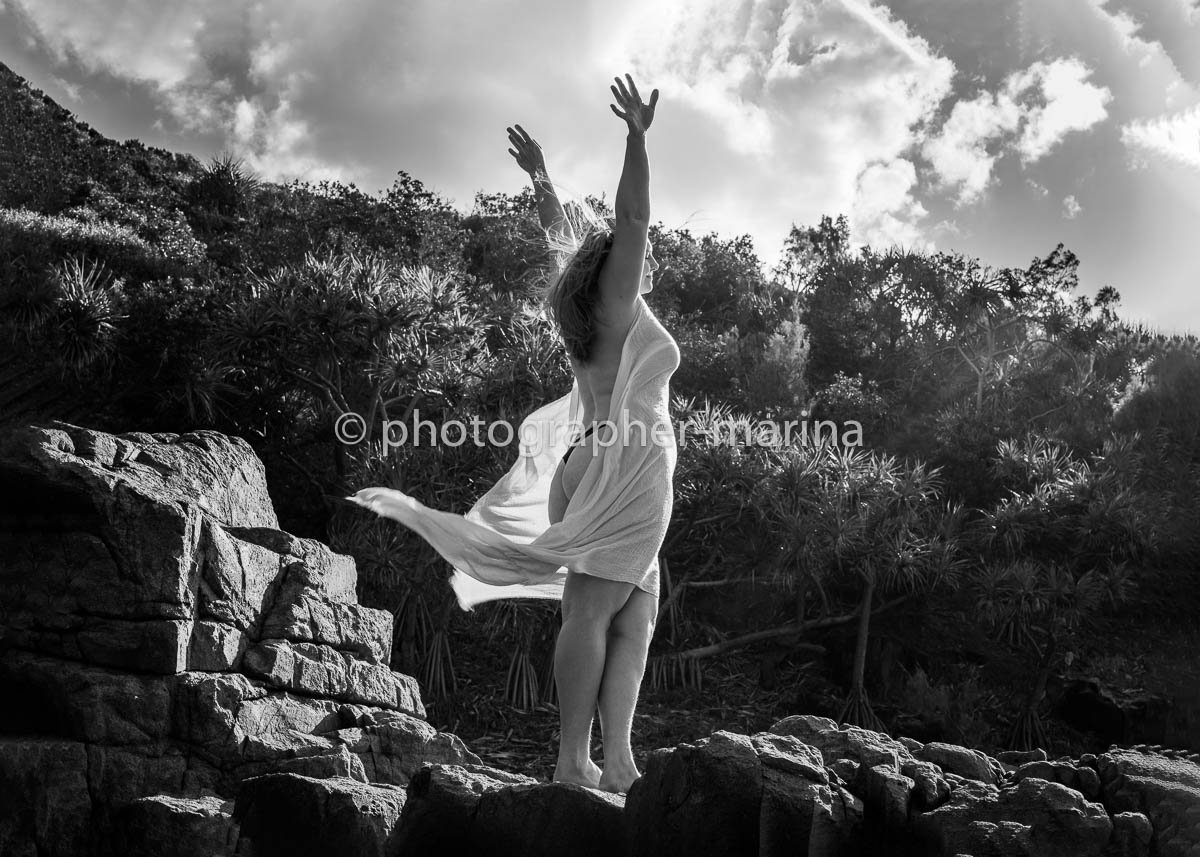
1057, 551
348, 334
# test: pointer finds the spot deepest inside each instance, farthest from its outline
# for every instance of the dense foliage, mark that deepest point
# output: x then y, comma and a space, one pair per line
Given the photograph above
1021, 454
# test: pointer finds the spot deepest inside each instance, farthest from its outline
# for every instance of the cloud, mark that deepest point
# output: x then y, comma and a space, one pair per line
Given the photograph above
1175, 137
959, 152
1032, 113
816, 102
885, 212
1071, 208
1070, 104
203, 66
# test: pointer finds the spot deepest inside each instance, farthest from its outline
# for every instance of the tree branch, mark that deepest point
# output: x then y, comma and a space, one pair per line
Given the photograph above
787, 630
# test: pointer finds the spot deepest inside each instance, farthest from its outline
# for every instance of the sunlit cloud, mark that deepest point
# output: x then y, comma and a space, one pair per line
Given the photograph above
1071, 208
834, 91
1032, 113
1067, 103
1175, 137
960, 152
885, 212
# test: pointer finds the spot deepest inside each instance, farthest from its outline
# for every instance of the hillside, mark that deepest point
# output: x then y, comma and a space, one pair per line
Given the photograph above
114, 196
49, 160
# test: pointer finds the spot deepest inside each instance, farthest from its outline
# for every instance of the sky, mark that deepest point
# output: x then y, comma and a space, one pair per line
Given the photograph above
994, 128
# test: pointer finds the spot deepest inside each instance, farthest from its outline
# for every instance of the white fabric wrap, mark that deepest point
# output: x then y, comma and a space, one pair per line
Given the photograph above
615, 523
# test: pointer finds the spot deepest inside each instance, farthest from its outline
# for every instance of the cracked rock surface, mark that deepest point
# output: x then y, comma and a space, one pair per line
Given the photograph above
162, 641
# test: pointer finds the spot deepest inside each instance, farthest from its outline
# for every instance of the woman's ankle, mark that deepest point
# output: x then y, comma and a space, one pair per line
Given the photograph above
619, 762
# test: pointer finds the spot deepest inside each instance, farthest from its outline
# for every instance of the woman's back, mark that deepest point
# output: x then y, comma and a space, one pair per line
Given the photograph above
598, 375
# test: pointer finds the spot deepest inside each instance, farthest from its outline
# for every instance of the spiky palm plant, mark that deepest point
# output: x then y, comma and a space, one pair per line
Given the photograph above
83, 324
225, 186
1059, 549
847, 516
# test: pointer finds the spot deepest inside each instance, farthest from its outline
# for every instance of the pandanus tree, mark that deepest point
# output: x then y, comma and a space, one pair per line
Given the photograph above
863, 522
1057, 551
347, 333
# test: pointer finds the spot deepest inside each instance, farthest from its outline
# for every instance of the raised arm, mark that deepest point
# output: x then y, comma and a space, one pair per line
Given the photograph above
621, 276
550, 211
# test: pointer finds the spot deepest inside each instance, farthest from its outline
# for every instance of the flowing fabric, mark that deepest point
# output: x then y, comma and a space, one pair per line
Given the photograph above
615, 522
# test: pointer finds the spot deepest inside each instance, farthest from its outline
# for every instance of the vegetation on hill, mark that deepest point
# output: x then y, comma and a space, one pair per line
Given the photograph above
1025, 465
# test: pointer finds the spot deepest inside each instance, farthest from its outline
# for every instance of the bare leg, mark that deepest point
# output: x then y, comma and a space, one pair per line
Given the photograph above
578, 666
625, 665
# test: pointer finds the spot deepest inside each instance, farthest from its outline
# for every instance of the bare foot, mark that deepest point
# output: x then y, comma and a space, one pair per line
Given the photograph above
618, 778
588, 777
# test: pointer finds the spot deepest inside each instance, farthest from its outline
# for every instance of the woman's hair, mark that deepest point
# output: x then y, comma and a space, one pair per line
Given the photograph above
575, 284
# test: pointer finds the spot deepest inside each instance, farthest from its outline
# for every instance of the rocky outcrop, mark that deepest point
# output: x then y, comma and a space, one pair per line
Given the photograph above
162, 641
182, 678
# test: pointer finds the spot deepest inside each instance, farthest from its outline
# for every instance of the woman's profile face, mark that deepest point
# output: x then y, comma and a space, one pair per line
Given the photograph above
648, 268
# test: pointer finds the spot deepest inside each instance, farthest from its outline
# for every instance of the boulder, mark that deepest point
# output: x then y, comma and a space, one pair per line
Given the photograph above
1082, 778
162, 641
843, 742
971, 764
930, 789
288, 815
1163, 789
461, 809
765, 794
1033, 818
161, 825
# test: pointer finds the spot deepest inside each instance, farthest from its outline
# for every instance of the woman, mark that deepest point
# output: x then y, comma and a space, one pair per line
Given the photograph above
584, 522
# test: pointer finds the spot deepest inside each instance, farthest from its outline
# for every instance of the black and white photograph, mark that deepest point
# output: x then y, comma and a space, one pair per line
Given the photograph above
600, 429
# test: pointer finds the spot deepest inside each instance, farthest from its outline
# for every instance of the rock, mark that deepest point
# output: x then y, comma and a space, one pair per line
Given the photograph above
1020, 757
1165, 790
911, 744
971, 764
1034, 817
930, 789
764, 794
846, 769
164, 641
1132, 835
323, 671
181, 827
286, 815
1125, 718
848, 742
453, 809
220, 474
887, 797
393, 746
47, 806
1083, 779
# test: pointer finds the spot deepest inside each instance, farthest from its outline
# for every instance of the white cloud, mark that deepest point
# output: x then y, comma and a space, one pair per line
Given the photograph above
1032, 113
1039, 189
1175, 137
1070, 104
1071, 208
959, 153
885, 211
816, 102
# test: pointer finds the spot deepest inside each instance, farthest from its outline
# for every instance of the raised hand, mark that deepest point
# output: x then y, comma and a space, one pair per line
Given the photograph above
526, 151
637, 115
